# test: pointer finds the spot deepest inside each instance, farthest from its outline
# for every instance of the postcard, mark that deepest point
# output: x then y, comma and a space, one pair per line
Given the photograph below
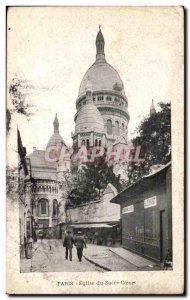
95, 150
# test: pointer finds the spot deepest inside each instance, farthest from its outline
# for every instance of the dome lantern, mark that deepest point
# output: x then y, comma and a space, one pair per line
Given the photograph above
56, 124
56, 139
100, 55
152, 108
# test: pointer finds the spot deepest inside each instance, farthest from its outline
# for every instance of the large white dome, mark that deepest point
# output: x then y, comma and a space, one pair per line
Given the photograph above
102, 77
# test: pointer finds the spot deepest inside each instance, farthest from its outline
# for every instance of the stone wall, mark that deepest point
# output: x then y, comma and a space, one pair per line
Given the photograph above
97, 211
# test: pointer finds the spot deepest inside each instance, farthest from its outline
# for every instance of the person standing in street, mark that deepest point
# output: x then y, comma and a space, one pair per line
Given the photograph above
80, 244
68, 244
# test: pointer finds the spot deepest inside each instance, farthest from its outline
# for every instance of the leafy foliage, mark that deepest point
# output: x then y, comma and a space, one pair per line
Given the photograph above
154, 137
18, 90
92, 180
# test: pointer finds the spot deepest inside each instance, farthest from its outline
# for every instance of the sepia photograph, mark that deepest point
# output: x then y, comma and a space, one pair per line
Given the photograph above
94, 123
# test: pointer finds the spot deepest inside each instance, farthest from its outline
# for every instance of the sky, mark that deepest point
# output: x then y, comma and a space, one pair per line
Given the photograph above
51, 48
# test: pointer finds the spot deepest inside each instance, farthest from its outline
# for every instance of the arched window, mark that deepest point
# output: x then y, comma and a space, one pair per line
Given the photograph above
87, 143
55, 208
96, 143
43, 209
123, 127
100, 142
109, 126
116, 128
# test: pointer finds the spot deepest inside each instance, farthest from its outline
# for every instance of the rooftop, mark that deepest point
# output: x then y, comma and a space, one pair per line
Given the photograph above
137, 187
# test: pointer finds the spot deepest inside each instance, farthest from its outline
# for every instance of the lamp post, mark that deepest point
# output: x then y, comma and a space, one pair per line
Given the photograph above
34, 227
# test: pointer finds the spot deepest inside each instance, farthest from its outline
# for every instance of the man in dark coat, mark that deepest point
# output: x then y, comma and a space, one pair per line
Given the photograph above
68, 244
80, 244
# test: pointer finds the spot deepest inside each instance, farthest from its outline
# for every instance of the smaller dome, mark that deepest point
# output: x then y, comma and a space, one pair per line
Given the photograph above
89, 119
56, 140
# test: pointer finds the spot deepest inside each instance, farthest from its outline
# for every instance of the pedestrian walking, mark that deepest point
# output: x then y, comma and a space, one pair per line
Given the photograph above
41, 235
80, 244
68, 244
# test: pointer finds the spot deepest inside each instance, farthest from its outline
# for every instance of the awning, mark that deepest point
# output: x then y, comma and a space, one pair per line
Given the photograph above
91, 226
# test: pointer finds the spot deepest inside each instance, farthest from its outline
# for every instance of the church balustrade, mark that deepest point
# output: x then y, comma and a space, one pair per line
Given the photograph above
45, 189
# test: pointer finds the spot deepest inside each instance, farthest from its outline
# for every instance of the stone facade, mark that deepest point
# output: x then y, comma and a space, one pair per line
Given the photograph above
41, 188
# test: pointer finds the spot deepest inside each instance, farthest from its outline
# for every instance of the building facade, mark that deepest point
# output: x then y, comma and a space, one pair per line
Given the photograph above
146, 215
40, 187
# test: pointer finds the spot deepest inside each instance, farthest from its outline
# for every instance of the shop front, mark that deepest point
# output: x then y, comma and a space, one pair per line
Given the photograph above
99, 233
146, 215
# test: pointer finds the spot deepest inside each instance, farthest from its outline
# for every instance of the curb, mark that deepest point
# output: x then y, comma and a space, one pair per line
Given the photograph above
129, 261
96, 264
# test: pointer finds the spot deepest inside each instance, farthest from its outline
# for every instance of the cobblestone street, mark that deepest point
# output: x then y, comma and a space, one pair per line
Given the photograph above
49, 256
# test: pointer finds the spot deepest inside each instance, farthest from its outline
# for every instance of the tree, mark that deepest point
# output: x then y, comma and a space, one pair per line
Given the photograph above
91, 180
18, 91
154, 137
66, 184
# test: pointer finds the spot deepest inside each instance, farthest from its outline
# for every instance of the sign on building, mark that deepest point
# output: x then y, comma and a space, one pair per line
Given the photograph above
150, 202
128, 209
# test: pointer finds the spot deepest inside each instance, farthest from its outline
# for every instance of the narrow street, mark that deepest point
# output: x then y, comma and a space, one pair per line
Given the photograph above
49, 256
